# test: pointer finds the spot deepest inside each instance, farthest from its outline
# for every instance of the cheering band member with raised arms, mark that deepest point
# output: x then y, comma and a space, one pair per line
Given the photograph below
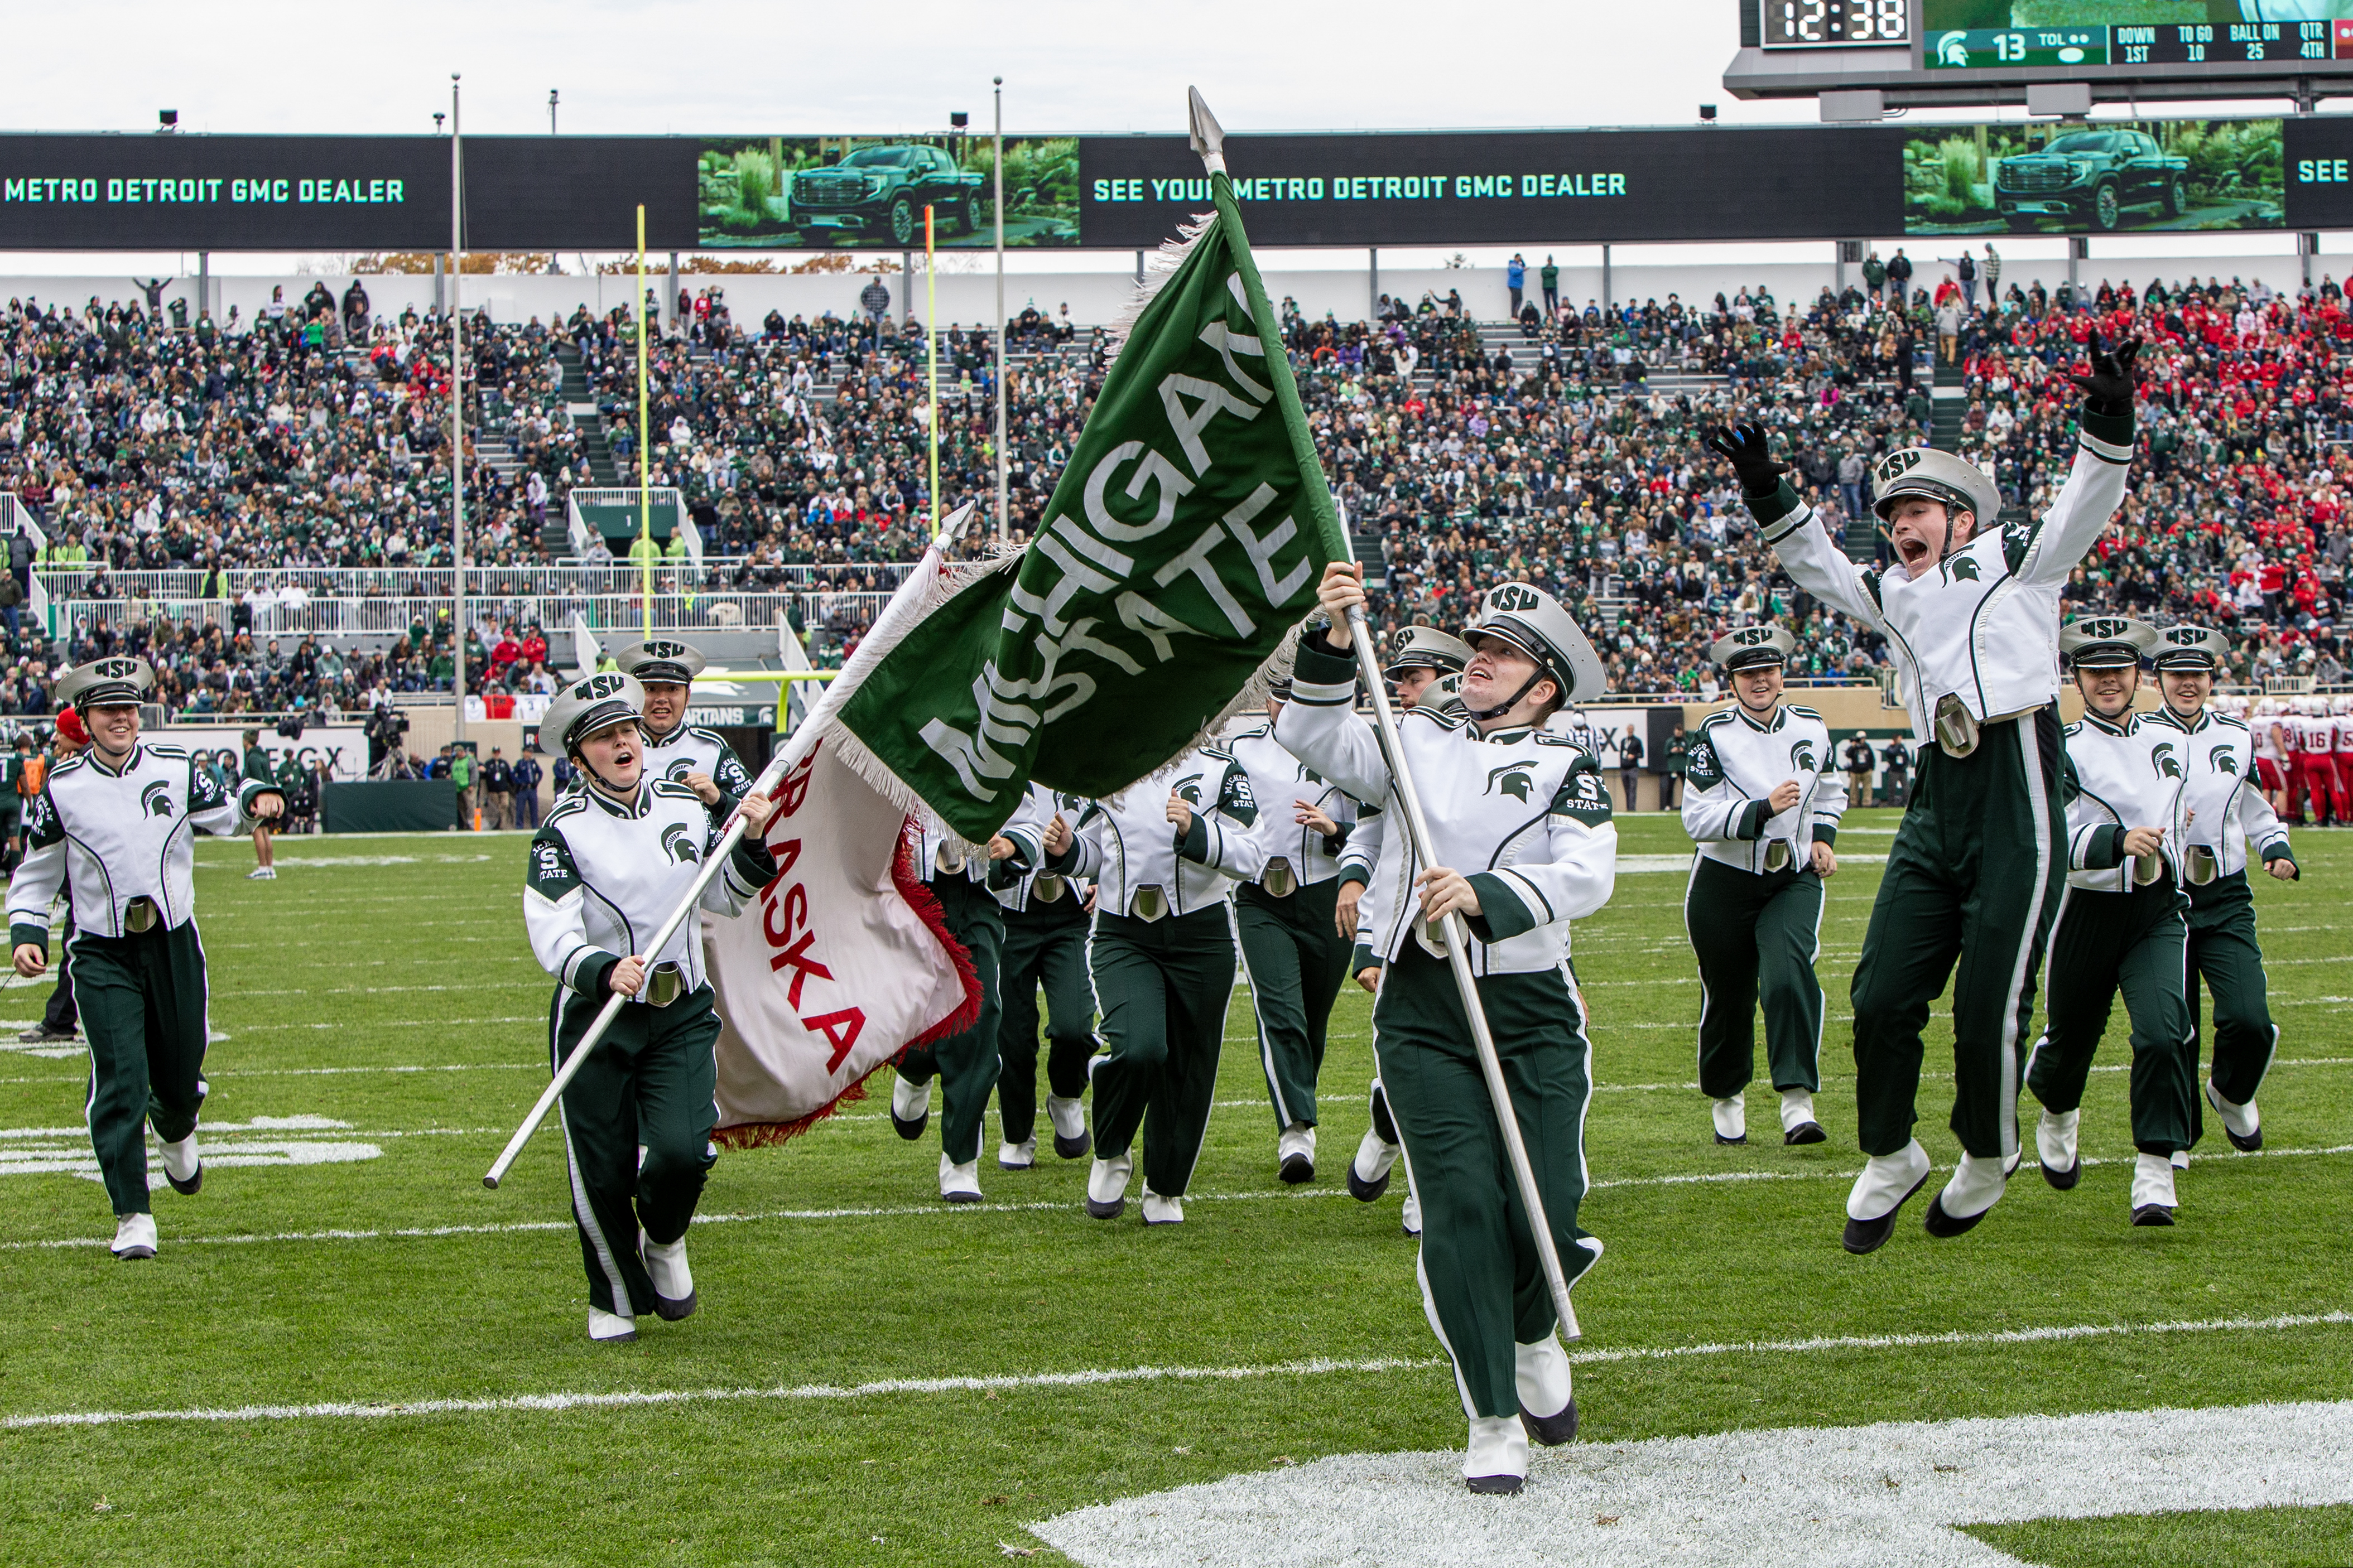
1520, 826
612, 862
1764, 808
2120, 926
1971, 611
115, 827
2226, 812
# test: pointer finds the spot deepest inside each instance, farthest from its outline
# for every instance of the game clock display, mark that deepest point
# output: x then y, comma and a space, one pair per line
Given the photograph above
1820, 23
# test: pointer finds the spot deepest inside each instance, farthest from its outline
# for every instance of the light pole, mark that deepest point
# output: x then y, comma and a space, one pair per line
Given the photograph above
551, 112
999, 161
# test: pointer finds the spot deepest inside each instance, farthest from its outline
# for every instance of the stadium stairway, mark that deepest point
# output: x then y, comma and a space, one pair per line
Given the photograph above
580, 398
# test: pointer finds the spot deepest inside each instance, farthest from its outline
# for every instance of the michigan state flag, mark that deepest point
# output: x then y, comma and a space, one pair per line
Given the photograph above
1185, 537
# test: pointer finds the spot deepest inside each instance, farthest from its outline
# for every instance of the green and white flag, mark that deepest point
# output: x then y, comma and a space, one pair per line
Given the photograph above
1185, 541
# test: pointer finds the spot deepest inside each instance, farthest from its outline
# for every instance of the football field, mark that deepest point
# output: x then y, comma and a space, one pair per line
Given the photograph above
349, 1351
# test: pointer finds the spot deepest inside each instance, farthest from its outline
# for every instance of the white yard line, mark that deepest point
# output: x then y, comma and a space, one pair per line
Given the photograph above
1787, 1498
348, 1410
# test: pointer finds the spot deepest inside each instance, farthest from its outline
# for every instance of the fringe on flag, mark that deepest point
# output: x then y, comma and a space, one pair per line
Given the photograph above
1159, 266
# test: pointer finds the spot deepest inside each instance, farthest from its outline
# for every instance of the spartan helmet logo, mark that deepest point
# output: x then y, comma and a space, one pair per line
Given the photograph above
2168, 763
156, 799
1965, 569
2225, 761
1801, 756
1188, 788
1512, 779
678, 842
597, 686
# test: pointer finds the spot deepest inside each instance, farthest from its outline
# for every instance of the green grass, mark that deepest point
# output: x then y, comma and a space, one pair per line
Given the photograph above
422, 964
2279, 1537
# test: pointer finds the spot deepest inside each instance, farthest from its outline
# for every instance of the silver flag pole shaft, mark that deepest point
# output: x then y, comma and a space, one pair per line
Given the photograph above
1458, 958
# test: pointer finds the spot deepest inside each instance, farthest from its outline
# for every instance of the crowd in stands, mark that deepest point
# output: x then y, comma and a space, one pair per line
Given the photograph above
1564, 448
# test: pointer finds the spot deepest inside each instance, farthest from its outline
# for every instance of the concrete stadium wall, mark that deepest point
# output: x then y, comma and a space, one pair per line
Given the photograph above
1096, 297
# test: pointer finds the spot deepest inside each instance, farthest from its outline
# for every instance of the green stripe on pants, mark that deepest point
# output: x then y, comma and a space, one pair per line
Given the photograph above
1481, 1285
2225, 955
142, 1011
1163, 987
1975, 874
1048, 950
1297, 961
637, 1133
965, 1063
2134, 942
1754, 931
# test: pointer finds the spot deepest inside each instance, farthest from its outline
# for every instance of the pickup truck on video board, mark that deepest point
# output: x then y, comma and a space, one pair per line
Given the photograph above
882, 191
2090, 176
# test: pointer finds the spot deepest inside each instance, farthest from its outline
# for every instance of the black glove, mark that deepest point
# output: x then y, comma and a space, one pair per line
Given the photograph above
2109, 388
1751, 452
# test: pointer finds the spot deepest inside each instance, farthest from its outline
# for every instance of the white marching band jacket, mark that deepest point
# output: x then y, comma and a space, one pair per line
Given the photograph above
1523, 814
1142, 867
603, 875
2118, 777
1296, 853
1979, 632
2218, 783
690, 748
1735, 762
1019, 883
111, 838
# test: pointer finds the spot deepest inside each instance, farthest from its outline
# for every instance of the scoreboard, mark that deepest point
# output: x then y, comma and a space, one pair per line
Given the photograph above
2141, 44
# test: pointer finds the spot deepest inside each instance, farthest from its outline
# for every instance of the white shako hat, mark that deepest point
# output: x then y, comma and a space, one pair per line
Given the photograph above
115, 681
587, 706
661, 661
1960, 484
2191, 648
1753, 646
1424, 647
1531, 620
2107, 642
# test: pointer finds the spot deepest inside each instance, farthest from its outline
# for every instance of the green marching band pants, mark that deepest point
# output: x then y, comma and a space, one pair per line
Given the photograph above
1756, 933
1481, 1285
143, 1010
1976, 872
1044, 946
637, 1133
965, 1063
2224, 956
1296, 963
1163, 987
2135, 943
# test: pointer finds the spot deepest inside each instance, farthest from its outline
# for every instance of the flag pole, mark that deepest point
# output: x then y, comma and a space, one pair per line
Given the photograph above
457, 413
1208, 140
996, 162
794, 750
645, 455
932, 341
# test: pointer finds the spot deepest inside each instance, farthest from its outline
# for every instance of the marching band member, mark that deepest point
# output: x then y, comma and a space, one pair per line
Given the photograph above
1294, 940
606, 869
2120, 924
965, 1063
675, 750
2224, 816
114, 828
1972, 610
1162, 953
1763, 806
1526, 811
1045, 947
1421, 658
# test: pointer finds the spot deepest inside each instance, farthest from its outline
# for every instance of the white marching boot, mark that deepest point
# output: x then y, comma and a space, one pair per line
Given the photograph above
2152, 1202
960, 1183
674, 1295
2243, 1124
1021, 1156
183, 1167
134, 1236
1540, 1375
1368, 1172
1069, 1121
911, 1107
1158, 1210
1797, 1123
2181, 1158
1107, 1187
1497, 1462
610, 1328
1886, 1184
2055, 1145
1976, 1186
1730, 1118
1411, 1217
1294, 1154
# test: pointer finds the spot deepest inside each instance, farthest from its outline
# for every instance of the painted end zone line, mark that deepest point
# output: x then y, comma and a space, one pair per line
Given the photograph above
1320, 1367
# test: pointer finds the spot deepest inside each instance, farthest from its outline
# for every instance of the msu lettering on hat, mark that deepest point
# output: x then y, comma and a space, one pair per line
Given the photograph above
665, 660
1753, 646
111, 682
2191, 648
2105, 642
